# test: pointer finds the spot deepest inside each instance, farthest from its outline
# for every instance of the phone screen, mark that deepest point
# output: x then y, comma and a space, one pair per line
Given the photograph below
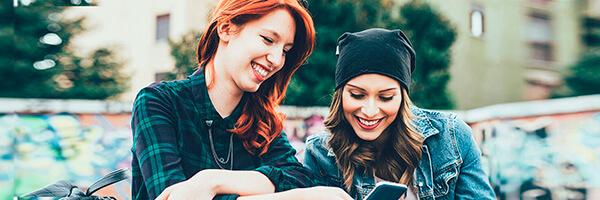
387, 191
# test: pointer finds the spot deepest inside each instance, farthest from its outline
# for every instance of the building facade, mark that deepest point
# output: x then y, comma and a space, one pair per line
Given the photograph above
138, 30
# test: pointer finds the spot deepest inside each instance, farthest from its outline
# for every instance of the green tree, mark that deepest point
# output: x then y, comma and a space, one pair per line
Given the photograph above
429, 32
40, 63
313, 83
583, 77
432, 36
184, 52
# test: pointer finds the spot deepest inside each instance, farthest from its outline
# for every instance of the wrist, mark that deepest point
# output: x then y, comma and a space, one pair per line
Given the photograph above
210, 179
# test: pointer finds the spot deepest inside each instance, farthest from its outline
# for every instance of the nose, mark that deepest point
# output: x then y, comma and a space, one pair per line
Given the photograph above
275, 57
370, 109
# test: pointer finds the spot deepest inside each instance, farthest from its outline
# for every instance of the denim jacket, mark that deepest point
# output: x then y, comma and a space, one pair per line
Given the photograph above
450, 166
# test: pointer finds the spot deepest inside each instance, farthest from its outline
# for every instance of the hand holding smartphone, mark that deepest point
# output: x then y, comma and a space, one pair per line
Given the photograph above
387, 191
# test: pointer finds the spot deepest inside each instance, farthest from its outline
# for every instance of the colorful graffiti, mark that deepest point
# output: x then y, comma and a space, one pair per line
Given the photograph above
543, 157
552, 156
37, 150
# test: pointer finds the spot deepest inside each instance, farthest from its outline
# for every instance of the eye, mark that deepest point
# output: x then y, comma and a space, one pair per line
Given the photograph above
285, 52
267, 40
357, 96
386, 98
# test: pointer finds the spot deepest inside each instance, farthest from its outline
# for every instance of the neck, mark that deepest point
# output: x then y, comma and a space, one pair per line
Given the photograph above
224, 93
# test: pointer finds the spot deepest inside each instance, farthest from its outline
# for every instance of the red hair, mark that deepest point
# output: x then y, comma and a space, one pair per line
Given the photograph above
260, 123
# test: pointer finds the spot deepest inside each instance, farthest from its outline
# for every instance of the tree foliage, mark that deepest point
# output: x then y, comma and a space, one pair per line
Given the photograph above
183, 52
430, 33
583, 77
38, 62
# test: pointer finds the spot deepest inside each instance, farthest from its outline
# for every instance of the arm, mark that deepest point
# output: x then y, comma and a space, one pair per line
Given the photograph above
314, 164
282, 168
154, 145
313, 193
208, 183
472, 180
279, 171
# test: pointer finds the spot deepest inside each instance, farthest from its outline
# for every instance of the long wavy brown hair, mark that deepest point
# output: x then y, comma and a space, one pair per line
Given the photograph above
393, 156
260, 123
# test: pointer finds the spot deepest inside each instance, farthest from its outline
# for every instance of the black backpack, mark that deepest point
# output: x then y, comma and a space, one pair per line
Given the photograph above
63, 190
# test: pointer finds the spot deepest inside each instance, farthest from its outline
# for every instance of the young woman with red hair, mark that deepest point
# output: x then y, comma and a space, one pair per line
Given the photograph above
217, 134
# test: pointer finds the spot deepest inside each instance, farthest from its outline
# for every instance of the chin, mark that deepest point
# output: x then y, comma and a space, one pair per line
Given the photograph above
250, 87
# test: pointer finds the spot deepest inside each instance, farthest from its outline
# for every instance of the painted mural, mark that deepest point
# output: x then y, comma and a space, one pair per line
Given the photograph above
537, 157
37, 150
543, 157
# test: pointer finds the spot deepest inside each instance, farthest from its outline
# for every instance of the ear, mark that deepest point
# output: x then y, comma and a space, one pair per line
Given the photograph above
227, 31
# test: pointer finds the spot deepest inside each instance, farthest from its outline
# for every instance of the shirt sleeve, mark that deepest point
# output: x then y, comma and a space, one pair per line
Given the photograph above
280, 165
155, 143
472, 181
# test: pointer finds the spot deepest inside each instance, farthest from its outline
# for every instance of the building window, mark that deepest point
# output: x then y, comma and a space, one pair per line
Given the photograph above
162, 27
477, 23
540, 37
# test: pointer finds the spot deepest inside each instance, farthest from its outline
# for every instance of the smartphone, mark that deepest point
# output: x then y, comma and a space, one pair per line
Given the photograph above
387, 191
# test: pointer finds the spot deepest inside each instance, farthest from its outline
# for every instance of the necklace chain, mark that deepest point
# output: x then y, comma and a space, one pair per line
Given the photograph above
217, 158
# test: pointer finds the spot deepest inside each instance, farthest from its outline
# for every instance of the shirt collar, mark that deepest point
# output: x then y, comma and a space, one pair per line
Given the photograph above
206, 107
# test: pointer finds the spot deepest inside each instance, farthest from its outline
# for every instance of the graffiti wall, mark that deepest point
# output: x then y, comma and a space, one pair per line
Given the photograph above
548, 152
543, 157
37, 150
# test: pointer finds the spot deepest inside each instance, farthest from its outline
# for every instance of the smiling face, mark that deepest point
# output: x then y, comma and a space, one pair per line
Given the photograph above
257, 49
371, 103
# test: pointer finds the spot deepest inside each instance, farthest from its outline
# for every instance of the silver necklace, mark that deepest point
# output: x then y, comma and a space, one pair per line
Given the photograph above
220, 161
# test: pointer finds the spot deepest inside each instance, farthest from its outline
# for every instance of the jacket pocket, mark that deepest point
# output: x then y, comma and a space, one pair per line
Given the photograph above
445, 178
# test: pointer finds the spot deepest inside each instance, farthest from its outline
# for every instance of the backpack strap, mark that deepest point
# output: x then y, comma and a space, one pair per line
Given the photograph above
113, 177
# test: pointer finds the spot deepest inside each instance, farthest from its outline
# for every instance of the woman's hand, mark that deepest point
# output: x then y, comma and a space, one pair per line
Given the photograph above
186, 191
197, 187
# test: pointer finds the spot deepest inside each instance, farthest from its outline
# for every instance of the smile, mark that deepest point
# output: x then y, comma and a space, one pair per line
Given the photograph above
368, 124
260, 72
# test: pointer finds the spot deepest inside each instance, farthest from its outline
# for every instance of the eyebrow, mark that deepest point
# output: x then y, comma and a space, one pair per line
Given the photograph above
277, 36
380, 91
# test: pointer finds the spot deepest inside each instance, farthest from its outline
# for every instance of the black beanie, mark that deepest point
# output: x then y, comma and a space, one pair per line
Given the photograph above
376, 50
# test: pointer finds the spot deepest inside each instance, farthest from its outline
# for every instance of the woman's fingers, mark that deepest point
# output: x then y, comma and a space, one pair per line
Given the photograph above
164, 195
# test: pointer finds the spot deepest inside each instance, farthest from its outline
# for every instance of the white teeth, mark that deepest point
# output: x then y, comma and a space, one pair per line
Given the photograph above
367, 122
259, 70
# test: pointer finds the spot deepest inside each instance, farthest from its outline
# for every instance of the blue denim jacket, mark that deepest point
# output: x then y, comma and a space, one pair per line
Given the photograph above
450, 167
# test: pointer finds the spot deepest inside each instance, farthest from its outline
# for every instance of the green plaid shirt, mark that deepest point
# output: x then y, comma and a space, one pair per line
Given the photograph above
171, 142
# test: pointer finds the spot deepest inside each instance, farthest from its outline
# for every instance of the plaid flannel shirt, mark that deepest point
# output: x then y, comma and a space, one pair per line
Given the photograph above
171, 143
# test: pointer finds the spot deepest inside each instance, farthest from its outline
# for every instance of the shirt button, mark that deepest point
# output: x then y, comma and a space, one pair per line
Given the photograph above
420, 184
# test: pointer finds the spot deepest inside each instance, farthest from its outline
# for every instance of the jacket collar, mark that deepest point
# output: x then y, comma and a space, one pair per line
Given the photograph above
423, 123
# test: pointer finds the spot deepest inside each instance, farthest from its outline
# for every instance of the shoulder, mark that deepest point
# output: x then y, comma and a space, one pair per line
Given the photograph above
165, 92
319, 157
317, 146
439, 122
166, 87
318, 139
317, 143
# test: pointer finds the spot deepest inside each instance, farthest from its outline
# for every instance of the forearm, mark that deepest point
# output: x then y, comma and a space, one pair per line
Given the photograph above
293, 194
272, 196
236, 182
